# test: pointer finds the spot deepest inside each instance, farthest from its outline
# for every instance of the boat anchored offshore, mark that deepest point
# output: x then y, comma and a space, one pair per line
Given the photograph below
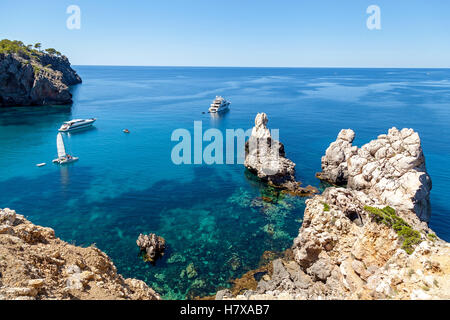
219, 104
76, 124
63, 157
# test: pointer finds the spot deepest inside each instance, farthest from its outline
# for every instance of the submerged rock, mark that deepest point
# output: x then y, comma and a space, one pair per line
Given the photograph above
390, 169
152, 244
234, 262
176, 258
266, 158
190, 271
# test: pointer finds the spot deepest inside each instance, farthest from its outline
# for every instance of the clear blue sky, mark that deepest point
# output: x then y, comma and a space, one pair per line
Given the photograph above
291, 33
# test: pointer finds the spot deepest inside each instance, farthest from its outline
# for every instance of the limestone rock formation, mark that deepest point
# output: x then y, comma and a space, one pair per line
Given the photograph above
35, 79
390, 169
152, 244
334, 162
34, 264
266, 158
343, 252
366, 241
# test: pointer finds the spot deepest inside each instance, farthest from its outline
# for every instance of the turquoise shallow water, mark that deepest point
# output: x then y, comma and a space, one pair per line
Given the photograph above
211, 215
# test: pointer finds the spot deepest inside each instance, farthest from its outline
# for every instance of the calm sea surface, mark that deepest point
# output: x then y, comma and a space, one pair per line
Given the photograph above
211, 216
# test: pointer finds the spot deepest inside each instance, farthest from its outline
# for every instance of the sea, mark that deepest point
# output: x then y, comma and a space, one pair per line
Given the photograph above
218, 219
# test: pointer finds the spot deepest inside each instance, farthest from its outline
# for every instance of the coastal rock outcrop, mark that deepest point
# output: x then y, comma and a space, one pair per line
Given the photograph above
34, 264
390, 168
334, 162
366, 241
152, 245
266, 158
31, 77
344, 251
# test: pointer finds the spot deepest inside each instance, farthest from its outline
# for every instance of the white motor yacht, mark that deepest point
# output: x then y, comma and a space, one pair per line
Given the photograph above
219, 104
76, 124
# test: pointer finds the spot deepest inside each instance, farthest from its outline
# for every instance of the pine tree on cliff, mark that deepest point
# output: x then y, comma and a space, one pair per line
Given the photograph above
50, 51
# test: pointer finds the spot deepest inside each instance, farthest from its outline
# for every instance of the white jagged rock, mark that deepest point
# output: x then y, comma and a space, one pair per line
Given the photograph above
335, 158
265, 157
390, 169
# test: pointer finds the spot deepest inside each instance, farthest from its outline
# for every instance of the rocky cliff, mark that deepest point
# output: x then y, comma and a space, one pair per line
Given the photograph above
31, 77
34, 264
390, 168
358, 242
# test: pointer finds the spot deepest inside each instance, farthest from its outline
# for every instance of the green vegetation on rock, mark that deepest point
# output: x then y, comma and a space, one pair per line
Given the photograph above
17, 47
407, 235
326, 207
34, 76
432, 236
36, 69
25, 51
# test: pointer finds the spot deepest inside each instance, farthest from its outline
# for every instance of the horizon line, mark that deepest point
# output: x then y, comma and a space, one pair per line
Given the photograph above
268, 67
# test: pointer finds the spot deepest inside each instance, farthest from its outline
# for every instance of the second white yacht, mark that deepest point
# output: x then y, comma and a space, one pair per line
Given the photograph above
219, 104
76, 124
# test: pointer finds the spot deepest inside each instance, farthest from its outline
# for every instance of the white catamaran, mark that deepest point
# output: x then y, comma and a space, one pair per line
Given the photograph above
63, 157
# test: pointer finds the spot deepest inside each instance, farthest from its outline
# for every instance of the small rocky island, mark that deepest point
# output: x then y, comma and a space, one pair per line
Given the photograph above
151, 245
31, 77
265, 157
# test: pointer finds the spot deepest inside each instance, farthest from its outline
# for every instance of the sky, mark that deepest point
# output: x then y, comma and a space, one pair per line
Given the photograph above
247, 33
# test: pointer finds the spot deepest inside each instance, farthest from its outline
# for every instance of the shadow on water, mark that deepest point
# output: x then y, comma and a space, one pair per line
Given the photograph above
55, 198
21, 116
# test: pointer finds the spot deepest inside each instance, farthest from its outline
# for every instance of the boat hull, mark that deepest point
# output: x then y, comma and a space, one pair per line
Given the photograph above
219, 111
65, 161
78, 127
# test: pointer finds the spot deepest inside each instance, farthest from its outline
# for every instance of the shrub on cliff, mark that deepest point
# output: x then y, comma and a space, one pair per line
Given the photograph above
15, 46
25, 51
52, 51
407, 235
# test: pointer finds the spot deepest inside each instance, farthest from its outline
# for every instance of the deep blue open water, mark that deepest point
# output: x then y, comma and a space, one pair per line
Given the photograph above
210, 215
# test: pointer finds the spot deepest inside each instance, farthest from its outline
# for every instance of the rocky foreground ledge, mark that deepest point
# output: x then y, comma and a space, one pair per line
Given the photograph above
366, 241
34, 264
32, 77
